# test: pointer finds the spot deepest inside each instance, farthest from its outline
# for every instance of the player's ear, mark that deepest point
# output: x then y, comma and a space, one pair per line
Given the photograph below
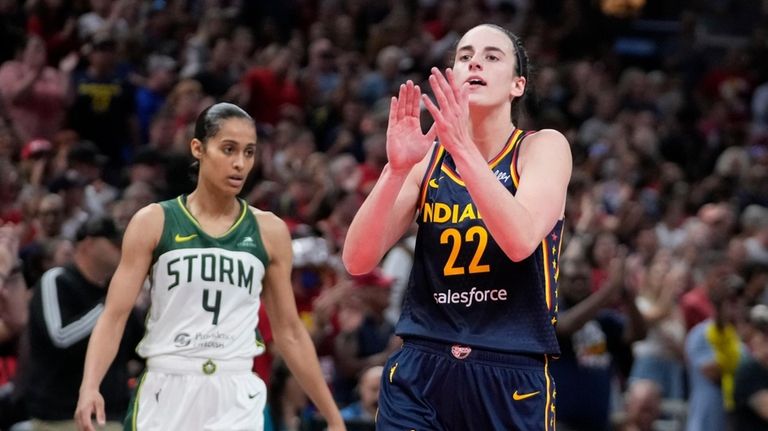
517, 87
196, 147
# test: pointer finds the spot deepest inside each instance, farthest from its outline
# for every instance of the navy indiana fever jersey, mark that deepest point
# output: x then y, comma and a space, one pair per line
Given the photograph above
463, 288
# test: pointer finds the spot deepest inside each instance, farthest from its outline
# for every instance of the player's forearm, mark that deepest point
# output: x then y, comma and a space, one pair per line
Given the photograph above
102, 349
299, 353
378, 224
511, 225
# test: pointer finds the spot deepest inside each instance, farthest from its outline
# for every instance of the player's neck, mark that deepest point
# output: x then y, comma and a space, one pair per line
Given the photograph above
204, 201
490, 131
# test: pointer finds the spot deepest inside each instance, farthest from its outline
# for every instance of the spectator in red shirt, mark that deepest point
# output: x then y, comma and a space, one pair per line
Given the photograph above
270, 90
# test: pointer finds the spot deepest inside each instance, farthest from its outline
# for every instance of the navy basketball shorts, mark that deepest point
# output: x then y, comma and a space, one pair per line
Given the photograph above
428, 385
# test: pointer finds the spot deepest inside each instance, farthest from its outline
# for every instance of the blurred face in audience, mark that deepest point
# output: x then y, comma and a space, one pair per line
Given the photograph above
604, 249
10, 183
575, 282
758, 345
13, 300
50, 214
101, 251
643, 404
61, 253
369, 388
647, 242
102, 58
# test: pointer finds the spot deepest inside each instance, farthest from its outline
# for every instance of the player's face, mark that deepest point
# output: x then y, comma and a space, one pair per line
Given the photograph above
228, 156
485, 57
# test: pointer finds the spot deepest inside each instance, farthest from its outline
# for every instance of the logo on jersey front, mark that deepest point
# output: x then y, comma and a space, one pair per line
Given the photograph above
210, 340
433, 183
247, 242
182, 339
181, 238
470, 297
502, 176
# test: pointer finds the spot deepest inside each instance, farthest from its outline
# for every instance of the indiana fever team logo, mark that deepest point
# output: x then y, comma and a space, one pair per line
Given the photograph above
460, 352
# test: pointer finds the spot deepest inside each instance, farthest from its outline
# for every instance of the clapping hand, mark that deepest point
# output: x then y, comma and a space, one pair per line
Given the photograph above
452, 115
406, 144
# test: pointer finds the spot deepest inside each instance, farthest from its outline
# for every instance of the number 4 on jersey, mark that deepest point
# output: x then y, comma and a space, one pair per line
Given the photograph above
212, 308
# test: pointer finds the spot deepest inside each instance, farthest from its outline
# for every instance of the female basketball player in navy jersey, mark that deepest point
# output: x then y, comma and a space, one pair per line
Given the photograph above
211, 260
479, 314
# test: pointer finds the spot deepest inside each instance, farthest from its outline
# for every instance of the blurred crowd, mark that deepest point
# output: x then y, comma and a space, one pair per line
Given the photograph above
664, 271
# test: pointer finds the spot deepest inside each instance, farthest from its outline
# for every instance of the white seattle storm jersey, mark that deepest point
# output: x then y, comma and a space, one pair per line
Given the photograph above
205, 291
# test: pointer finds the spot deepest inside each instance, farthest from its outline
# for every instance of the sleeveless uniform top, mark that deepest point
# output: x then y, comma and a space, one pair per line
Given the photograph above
205, 291
463, 288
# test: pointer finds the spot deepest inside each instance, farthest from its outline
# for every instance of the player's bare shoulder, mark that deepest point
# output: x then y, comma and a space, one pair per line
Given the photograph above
267, 219
547, 146
146, 226
550, 138
273, 230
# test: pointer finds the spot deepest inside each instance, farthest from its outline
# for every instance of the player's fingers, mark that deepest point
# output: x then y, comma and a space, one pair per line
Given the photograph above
455, 88
414, 105
401, 101
83, 419
444, 86
433, 109
460, 89
392, 110
437, 91
100, 416
408, 97
464, 95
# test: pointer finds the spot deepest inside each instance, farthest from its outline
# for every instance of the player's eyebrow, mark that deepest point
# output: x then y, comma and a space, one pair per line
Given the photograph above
487, 48
236, 143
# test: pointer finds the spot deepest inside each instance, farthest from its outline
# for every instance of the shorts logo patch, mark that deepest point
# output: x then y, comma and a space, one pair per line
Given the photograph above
460, 352
209, 367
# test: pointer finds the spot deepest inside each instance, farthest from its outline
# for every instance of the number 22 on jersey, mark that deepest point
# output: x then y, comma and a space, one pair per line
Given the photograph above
453, 237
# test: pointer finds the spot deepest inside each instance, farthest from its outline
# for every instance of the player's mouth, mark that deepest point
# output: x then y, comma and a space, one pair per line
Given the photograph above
475, 81
235, 180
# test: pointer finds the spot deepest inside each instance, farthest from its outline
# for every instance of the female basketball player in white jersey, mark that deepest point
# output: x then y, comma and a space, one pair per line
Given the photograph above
479, 314
211, 260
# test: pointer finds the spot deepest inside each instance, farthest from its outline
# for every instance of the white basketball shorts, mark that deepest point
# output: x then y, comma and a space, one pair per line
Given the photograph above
197, 394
